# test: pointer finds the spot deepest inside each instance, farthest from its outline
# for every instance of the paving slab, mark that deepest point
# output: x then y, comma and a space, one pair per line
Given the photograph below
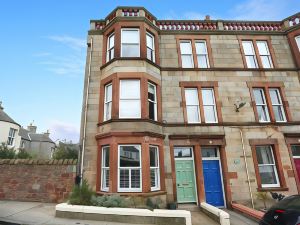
239, 219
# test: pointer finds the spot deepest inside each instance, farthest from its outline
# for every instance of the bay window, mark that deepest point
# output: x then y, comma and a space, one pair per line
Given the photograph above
110, 47
267, 167
130, 42
277, 105
202, 55
105, 168
250, 54
130, 99
154, 168
11, 136
209, 105
192, 105
264, 54
261, 105
150, 47
186, 54
152, 101
107, 102
129, 175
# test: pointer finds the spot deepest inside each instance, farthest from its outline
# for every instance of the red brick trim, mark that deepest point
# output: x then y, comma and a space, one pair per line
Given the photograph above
275, 147
258, 215
265, 86
199, 85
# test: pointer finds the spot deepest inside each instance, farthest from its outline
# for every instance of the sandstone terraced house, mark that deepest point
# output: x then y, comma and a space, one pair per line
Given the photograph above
191, 110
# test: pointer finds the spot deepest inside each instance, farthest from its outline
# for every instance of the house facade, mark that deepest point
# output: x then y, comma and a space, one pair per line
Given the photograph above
191, 111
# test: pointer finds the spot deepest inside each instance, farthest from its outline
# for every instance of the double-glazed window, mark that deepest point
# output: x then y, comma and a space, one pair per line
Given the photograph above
105, 168
130, 173
187, 57
152, 101
251, 54
150, 47
298, 41
262, 104
130, 99
154, 168
130, 42
208, 105
107, 102
267, 166
11, 136
110, 47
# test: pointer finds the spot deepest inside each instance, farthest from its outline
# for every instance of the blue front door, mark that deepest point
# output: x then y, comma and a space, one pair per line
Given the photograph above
213, 183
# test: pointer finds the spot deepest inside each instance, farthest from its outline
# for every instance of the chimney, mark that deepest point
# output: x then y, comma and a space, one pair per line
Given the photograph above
47, 133
207, 17
1, 107
31, 128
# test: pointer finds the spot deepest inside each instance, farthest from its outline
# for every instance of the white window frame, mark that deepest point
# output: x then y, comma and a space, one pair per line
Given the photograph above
155, 100
253, 55
130, 168
268, 55
191, 54
151, 49
122, 43
11, 137
200, 54
156, 169
264, 105
272, 164
133, 99
104, 168
214, 105
280, 104
198, 105
109, 55
107, 102
297, 39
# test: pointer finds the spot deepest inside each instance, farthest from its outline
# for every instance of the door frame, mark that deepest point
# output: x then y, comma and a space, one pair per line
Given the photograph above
193, 161
220, 170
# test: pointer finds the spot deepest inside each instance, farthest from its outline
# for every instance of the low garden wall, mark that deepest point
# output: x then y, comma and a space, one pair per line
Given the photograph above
36, 180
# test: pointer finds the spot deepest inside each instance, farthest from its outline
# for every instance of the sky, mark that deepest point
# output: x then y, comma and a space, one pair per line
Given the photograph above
43, 50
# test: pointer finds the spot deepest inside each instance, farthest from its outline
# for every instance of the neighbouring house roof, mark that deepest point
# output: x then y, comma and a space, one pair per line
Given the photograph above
6, 118
40, 138
24, 134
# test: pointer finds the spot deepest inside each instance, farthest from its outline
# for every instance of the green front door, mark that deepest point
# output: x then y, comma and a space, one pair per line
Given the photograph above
185, 180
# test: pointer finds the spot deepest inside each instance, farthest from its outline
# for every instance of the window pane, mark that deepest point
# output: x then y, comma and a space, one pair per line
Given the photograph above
274, 96
111, 41
124, 178
251, 62
264, 155
191, 96
149, 41
193, 114
153, 156
130, 108
298, 42
202, 61
267, 175
150, 54
107, 115
187, 61
266, 61
209, 152
208, 97
279, 116
105, 181
108, 92
105, 159
209, 114
182, 152
259, 96
262, 113
151, 92
135, 178
130, 50
130, 36
296, 150
129, 89
262, 47
185, 48
200, 48
154, 174
248, 48
129, 156
151, 110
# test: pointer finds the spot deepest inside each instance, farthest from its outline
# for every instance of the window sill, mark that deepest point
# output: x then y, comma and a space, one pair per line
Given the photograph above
264, 189
148, 194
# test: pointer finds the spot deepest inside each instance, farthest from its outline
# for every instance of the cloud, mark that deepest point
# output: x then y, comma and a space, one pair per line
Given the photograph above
62, 130
261, 10
189, 15
72, 42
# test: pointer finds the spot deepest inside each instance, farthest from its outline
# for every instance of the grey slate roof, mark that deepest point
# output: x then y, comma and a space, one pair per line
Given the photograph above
24, 134
6, 118
40, 138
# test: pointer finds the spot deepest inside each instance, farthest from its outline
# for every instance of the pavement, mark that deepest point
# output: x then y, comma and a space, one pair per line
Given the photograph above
36, 213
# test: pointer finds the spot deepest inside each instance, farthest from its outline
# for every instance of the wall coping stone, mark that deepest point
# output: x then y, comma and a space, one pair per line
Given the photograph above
38, 162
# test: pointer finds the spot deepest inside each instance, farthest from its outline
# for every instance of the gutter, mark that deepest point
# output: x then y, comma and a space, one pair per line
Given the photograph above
85, 111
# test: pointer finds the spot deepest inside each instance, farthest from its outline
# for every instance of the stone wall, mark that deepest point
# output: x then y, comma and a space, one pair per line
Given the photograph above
36, 180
